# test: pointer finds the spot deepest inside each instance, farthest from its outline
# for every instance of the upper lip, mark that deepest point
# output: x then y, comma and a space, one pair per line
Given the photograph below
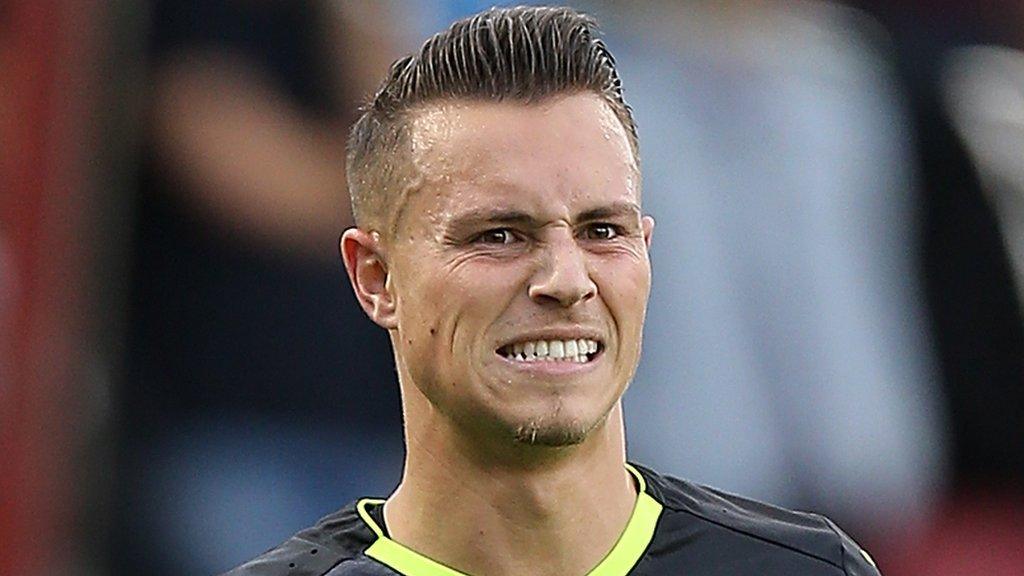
566, 333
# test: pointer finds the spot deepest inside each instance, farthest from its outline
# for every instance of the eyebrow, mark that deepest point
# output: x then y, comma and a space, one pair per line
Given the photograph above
507, 216
616, 209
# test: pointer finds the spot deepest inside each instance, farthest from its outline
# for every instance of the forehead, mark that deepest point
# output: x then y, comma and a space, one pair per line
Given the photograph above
557, 156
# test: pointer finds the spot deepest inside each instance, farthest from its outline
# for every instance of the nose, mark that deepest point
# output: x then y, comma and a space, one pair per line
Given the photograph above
562, 275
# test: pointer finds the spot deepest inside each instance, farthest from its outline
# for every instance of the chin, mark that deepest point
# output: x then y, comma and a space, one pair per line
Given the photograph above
556, 430
550, 436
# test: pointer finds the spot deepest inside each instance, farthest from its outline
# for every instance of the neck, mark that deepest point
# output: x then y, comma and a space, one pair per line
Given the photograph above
522, 510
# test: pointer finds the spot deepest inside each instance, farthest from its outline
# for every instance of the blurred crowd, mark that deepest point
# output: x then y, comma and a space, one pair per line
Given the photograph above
835, 321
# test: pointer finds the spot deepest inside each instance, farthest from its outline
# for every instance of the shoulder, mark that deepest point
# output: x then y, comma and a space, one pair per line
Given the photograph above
335, 541
733, 523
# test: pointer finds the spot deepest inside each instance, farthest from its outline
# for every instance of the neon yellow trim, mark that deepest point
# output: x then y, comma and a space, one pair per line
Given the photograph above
634, 540
619, 561
640, 482
361, 508
407, 561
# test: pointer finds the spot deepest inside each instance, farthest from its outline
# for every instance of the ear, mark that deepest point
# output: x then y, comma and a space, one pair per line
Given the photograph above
647, 222
368, 272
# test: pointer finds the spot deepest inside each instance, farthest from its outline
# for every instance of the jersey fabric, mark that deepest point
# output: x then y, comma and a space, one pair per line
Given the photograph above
676, 528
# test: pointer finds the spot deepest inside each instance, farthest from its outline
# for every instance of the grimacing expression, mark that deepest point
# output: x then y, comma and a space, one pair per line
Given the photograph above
519, 266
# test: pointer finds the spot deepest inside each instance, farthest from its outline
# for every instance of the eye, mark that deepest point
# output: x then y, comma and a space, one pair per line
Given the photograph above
497, 236
601, 231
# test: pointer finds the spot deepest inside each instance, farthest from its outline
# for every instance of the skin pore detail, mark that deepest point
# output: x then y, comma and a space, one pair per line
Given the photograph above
445, 226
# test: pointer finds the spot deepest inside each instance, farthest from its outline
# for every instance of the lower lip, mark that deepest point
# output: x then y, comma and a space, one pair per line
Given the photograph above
559, 367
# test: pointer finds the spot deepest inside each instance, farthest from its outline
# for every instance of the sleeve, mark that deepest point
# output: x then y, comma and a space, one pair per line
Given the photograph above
856, 560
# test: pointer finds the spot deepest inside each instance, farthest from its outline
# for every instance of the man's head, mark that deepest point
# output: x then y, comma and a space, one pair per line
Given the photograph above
526, 55
500, 238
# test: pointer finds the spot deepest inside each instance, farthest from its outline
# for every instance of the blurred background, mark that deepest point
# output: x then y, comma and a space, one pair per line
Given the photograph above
835, 323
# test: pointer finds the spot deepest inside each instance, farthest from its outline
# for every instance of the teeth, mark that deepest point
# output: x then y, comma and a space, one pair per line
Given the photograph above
570, 349
556, 349
575, 350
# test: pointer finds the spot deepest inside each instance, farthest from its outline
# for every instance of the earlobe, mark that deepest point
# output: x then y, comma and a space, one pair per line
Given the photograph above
368, 273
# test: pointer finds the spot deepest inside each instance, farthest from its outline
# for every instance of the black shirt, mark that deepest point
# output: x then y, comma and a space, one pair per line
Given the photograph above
677, 527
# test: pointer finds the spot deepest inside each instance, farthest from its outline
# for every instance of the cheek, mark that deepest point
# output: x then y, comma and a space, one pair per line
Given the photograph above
419, 330
451, 306
470, 311
437, 318
626, 290
625, 294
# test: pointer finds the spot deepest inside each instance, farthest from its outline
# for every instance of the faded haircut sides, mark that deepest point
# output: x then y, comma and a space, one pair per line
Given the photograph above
522, 54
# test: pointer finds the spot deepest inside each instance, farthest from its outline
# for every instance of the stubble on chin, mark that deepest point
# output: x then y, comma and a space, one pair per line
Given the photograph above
554, 432
533, 434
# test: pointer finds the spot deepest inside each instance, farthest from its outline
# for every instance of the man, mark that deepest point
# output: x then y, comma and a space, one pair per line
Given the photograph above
499, 240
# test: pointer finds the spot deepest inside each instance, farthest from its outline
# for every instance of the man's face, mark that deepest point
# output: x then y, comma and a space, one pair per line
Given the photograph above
519, 266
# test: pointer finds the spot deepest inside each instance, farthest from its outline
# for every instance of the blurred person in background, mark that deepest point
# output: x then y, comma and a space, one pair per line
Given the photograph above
255, 392
962, 65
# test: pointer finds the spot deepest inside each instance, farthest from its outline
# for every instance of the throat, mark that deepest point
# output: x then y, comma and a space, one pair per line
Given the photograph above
501, 526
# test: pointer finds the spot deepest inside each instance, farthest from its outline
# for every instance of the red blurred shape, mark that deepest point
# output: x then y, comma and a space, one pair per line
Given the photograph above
46, 51
977, 533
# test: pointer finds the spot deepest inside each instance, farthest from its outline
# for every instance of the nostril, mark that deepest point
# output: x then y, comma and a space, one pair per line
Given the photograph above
563, 297
589, 294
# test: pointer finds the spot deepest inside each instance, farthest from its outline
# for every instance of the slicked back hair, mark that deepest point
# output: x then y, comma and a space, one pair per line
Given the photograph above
522, 54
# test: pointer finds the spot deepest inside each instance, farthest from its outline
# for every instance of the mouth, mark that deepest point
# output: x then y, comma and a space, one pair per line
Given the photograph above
568, 351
